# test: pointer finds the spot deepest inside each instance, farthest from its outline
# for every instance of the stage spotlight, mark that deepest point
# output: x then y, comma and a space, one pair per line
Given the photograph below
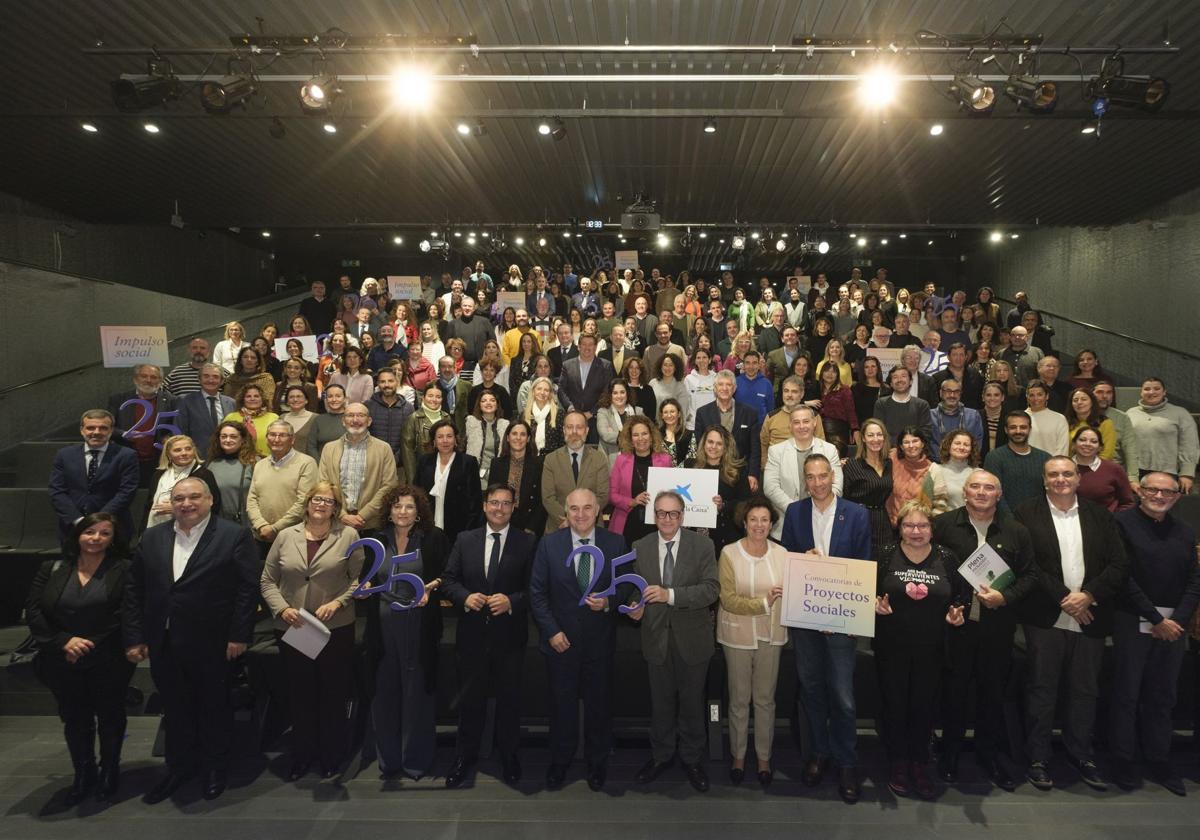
973, 95
566, 234
710, 126
89, 127
544, 128
557, 130
703, 234
862, 242
519, 241
738, 242
755, 235
936, 129
663, 241
781, 245
220, 96
138, 93
458, 234
541, 242
463, 128
425, 246
877, 87
1038, 96
397, 240
318, 93
411, 88
822, 247
277, 130
1147, 93
151, 128
996, 236
883, 241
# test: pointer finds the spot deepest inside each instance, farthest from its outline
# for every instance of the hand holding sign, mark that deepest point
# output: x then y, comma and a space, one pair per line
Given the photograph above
595, 600
379, 557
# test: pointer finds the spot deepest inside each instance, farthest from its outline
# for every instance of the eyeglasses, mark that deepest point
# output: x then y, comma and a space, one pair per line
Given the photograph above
323, 500
916, 526
1161, 491
672, 515
499, 503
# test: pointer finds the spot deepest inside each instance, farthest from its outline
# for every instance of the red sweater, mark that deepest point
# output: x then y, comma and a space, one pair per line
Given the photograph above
1107, 485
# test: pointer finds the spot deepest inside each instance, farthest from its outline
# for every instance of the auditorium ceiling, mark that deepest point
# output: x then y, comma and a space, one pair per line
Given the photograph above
784, 152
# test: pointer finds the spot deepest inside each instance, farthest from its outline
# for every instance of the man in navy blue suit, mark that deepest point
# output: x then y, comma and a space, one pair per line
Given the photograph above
578, 637
201, 411
96, 477
827, 525
487, 576
190, 608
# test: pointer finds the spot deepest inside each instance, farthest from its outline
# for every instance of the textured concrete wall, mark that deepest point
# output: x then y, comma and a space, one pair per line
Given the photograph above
50, 324
1141, 279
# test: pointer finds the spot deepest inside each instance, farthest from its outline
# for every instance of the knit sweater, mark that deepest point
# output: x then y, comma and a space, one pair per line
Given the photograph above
1166, 438
1162, 566
1020, 475
276, 496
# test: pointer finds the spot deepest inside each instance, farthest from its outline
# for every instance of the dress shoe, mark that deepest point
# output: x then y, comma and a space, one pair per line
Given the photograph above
458, 773
947, 766
651, 770
814, 771
849, 787
698, 778
299, 770
555, 774
1089, 772
1166, 775
1039, 777
82, 784
736, 774
110, 779
328, 772
1125, 774
765, 777
898, 779
920, 782
997, 773
511, 769
597, 776
165, 787
214, 784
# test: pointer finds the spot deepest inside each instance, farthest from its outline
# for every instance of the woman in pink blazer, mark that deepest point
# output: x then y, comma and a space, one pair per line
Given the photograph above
641, 446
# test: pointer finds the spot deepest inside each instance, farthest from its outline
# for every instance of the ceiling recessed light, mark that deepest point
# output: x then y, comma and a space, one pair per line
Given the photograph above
754, 235
463, 128
542, 242
710, 126
544, 128
703, 235
862, 242
883, 241
152, 128
936, 129
398, 240
930, 242
266, 234
330, 128
996, 236
904, 236
1014, 236
519, 241
90, 128
720, 241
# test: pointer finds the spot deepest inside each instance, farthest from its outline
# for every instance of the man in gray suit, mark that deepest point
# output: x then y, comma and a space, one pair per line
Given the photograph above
680, 569
585, 378
202, 411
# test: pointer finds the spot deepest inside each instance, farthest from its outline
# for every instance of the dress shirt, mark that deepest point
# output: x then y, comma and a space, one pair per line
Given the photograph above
981, 529
662, 560
584, 369
822, 525
185, 546
576, 541
1070, 546
278, 463
487, 545
353, 470
103, 450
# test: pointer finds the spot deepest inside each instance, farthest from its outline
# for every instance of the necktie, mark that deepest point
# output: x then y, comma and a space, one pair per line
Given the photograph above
583, 570
212, 411
575, 466
493, 563
668, 575
93, 464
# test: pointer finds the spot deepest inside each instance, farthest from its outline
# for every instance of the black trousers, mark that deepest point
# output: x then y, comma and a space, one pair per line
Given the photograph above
1057, 656
318, 692
193, 680
908, 685
677, 708
1145, 676
584, 671
981, 654
491, 669
91, 701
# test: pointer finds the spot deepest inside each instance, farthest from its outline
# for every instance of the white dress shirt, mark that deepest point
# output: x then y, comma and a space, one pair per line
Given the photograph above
487, 545
822, 525
1070, 546
185, 546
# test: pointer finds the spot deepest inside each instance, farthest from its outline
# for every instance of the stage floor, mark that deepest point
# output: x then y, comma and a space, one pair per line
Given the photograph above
259, 805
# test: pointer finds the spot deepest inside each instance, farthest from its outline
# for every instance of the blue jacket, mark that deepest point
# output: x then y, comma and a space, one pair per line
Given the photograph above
967, 419
112, 491
756, 393
851, 535
195, 420
554, 592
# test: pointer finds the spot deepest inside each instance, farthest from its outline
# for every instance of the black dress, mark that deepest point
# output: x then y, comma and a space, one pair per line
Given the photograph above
860, 483
635, 524
864, 400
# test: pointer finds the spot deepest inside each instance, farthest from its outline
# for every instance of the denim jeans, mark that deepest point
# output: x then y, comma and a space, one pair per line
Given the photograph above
826, 667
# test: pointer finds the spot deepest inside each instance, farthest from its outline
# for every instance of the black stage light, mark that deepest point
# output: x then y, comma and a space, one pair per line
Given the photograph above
1029, 92
221, 95
318, 93
1144, 92
557, 130
137, 93
973, 95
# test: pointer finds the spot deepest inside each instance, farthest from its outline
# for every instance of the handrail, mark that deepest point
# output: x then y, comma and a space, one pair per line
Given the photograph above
171, 343
1056, 316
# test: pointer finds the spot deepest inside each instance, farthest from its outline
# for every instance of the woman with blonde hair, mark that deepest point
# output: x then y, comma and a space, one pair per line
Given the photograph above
179, 460
543, 416
226, 352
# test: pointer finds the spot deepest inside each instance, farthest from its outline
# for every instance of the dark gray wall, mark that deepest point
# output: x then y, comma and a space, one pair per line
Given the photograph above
1141, 279
205, 266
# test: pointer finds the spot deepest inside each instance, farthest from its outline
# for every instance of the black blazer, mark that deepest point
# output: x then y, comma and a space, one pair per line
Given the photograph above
746, 428
212, 603
198, 471
557, 357
463, 509
1106, 567
575, 393
46, 623
464, 575
528, 512
112, 491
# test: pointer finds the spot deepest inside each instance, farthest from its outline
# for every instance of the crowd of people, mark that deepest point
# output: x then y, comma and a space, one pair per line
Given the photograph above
500, 455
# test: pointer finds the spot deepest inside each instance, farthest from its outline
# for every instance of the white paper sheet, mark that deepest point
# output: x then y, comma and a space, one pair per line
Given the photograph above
310, 637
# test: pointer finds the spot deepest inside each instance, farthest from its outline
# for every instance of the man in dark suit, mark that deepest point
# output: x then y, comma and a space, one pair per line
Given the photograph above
200, 413
190, 608
739, 420
578, 637
1082, 570
615, 353
585, 378
677, 638
561, 352
147, 385
487, 576
99, 476
827, 525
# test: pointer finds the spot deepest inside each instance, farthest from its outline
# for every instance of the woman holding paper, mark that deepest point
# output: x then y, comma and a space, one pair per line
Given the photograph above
311, 568
751, 572
918, 592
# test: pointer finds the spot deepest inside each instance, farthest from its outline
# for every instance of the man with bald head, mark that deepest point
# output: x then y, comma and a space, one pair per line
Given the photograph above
1021, 355
190, 609
578, 635
980, 651
363, 467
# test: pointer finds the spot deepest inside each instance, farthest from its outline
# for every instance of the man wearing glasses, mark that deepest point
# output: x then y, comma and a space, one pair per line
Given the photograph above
677, 638
1150, 631
486, 578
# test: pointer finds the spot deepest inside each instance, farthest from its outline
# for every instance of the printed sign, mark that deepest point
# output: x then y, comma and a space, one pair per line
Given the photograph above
307, 342
404, 287
514, 299
888, 359
831, 594
129, 346
625, 259
698, 487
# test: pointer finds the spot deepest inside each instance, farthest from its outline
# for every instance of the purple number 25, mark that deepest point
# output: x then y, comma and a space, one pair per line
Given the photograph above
142, 427
379, 556
598, 561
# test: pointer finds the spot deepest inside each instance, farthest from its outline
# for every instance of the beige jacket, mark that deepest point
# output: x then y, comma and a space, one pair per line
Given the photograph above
289, 580
380, 476
744, 616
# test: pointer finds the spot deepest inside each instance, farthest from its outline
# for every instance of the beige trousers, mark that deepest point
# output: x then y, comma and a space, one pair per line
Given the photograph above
752, 676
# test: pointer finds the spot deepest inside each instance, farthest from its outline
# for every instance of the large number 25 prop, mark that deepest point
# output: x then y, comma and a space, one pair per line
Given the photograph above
380, 556
139, 429
598, 561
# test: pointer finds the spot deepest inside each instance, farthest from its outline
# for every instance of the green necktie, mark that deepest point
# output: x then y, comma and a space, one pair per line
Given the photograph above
583, 571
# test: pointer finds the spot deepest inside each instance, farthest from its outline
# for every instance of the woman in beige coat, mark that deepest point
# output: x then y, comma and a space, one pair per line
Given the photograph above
751, 573
310, 567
